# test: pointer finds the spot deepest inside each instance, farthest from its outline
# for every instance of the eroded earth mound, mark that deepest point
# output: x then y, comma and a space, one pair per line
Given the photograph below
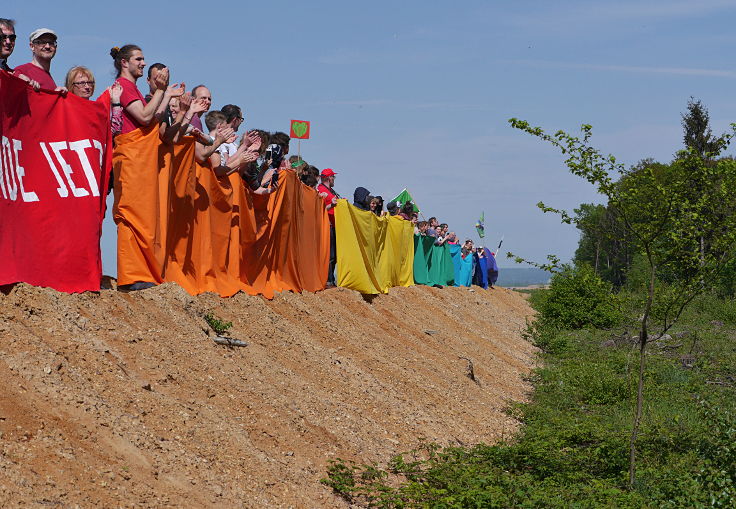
125, 400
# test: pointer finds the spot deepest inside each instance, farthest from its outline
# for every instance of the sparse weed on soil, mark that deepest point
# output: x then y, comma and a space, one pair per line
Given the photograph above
572, 450
218, 325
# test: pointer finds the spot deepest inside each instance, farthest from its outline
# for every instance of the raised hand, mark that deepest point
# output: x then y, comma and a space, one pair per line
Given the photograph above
115, 91
161, 80
252, 141
224, 132
248, 157
185, 101
176, 90
198, 105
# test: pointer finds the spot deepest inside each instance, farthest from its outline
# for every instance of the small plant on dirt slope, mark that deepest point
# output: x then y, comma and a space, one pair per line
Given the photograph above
219, 326
668, 211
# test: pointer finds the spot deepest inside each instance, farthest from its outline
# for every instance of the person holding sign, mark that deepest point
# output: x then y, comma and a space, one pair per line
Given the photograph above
38, 70
7, 42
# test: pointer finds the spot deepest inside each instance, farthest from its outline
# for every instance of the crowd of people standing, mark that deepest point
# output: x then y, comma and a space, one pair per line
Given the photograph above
257, 155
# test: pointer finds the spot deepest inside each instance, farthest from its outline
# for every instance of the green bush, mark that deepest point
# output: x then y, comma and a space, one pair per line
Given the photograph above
545, 336
578, 299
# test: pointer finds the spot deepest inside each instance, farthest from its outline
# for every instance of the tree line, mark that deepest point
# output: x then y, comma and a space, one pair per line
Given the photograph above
608, 246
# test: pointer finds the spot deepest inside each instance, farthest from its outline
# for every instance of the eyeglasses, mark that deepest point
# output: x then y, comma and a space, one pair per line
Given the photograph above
4, 37
84, 83
44, 43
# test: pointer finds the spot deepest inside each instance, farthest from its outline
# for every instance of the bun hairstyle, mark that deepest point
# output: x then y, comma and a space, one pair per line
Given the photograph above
124, 53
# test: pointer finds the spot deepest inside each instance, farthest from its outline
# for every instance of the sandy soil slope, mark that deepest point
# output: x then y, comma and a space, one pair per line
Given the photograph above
124, 400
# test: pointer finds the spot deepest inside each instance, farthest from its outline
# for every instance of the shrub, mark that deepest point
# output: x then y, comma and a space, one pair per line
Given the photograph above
578, 299
545, 336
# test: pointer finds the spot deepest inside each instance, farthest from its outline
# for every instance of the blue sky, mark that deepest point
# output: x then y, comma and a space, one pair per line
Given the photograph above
418, 94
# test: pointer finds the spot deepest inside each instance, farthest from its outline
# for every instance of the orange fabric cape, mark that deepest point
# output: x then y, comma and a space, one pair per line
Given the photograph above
178, 222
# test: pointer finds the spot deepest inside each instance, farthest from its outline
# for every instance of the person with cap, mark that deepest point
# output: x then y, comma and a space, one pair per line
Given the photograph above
43, 46
7, 42
330, 196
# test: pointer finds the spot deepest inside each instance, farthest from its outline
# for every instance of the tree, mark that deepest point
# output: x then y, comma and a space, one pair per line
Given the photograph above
603, 243
697, 132
665, 221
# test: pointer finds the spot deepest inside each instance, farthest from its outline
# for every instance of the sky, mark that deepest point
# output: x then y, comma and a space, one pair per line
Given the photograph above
418, 94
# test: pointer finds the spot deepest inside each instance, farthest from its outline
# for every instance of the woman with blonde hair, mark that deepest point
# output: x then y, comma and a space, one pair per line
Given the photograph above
80, 81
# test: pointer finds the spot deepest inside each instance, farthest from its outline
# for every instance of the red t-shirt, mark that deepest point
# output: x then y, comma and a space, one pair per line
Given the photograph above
36, 74
328, 201
130, 95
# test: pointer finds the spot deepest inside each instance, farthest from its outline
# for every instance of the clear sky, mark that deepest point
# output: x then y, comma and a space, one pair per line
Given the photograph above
417, 94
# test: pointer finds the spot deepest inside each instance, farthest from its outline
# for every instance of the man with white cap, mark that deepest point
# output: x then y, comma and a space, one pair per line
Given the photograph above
43, 47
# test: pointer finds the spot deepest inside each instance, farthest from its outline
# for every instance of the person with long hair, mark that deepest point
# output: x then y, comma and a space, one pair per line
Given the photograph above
129, 63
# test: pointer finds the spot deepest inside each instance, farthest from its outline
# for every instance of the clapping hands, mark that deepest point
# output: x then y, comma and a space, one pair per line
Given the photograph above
115, 91
223, 131
198, 105
248, 157
176, 90
161, 79
252, 141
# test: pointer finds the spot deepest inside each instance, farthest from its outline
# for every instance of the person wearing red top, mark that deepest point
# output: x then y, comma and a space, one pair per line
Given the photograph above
129, 63
38, 70
327, 192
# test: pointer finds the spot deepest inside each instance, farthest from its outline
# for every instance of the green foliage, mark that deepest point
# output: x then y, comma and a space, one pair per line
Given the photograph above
697, 133
578, 298
573, 448
218, 325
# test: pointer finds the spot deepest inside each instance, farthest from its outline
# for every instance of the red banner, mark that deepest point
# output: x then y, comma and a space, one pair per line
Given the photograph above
54, 167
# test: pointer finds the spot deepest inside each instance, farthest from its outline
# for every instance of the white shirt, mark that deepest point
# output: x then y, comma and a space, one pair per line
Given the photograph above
226, 150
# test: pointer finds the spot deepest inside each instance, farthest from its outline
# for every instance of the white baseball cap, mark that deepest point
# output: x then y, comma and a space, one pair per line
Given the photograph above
42, 31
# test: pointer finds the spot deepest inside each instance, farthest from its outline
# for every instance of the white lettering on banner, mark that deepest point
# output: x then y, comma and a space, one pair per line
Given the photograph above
78, 147
20, 171
98, 145
62, 190
2, 172
57, 147
8, 172
12, 172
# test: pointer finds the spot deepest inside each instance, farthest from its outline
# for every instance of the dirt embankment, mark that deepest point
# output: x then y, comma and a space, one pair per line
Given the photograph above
124, 400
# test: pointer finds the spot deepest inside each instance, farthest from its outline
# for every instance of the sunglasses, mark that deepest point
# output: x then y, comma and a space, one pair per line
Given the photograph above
4, 37
44, 43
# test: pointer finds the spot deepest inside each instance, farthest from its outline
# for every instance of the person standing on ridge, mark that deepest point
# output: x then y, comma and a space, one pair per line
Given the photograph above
7, 42
38, 70
330, 196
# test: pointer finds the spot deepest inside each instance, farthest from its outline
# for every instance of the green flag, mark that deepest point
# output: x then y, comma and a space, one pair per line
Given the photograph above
480, 226
405, 197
